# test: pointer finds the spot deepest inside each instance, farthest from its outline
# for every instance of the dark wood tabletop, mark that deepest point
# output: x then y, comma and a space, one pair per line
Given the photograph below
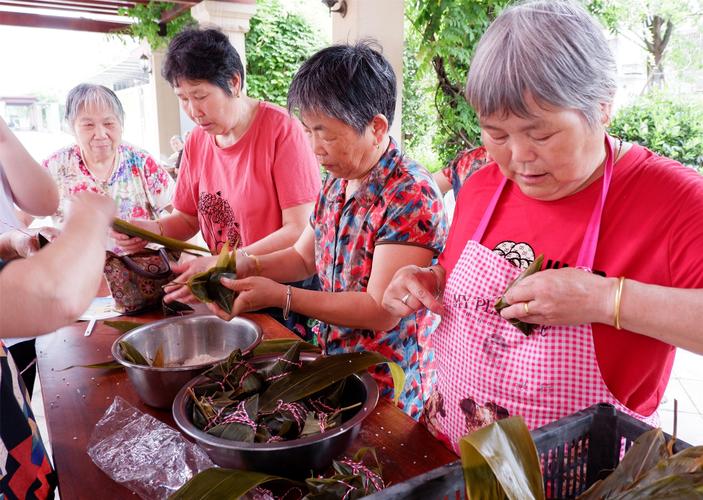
75, 399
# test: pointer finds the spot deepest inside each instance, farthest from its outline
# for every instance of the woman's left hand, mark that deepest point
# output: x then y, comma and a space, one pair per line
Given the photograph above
564, 296
254, 293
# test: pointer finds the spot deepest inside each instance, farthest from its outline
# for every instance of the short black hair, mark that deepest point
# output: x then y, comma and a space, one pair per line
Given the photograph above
202, 54
352, 83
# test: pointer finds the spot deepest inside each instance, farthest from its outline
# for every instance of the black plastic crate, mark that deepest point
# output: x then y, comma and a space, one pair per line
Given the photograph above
574, 451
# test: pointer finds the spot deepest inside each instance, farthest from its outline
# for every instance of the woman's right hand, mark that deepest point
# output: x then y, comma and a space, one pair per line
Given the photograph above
133, 244
414, 287
178, 290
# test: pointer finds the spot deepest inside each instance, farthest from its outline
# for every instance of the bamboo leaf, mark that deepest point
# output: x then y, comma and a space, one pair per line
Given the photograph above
277, 346
125, 227
206, 286
500, 460
107, 365
501, 304
685, 462
644, 454
158, 361
687, 486
321, 373
122, 326
223, 484
131, 354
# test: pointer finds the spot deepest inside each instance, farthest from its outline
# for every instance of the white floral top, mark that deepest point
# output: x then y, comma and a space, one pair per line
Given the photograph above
140, 187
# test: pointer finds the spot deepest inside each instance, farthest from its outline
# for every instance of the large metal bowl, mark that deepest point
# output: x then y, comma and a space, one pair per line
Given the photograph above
182, 338
294, 458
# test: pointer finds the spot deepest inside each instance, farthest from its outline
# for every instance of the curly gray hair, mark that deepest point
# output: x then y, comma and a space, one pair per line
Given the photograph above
552, 50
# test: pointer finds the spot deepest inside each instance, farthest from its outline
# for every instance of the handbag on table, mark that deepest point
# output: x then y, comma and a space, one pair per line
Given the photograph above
136, 281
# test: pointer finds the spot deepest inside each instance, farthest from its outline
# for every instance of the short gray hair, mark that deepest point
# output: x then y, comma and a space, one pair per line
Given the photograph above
88, 94
553, 50
352, 83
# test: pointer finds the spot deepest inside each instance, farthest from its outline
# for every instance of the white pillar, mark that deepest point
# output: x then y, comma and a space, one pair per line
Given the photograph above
383, 21
167, 108
231, 18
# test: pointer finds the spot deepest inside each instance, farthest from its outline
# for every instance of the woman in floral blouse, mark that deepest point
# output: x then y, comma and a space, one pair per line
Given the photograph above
100, 162
377, 211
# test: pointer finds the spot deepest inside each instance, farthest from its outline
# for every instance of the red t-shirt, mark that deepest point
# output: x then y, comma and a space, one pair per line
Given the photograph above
651, 231
239, 192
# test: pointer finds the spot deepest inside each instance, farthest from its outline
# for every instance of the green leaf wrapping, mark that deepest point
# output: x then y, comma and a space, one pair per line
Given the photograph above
222, 484
500, 461
122, 226
131, 354
321, 373
206, 286
501, 304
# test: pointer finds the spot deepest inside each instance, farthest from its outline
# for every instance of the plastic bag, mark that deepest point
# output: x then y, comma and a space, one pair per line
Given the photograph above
144, 454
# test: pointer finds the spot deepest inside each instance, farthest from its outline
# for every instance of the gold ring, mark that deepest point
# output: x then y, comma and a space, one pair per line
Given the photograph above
527, 309
404, 300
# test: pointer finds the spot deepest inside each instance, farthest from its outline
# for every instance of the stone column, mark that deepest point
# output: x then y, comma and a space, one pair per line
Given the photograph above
382, 21
231, 17
166, 105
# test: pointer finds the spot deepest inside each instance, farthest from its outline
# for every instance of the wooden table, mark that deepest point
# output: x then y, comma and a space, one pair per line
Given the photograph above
75, 399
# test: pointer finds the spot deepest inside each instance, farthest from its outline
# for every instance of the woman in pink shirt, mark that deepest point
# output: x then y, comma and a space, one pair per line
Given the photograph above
247, 172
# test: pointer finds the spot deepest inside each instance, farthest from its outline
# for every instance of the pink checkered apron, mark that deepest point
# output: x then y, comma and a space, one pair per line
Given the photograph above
488, 369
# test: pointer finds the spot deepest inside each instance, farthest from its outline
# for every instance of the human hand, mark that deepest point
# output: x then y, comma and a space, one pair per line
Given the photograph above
566, 296
132, 244
413, 287
94, 207
246, 265
177, 289
21, 243
254, 293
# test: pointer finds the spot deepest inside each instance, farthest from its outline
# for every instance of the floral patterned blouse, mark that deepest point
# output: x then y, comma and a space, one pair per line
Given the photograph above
140, 187
398, 204
464, 165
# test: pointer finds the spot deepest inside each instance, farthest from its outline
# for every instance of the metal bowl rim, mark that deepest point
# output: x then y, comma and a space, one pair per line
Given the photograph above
186, 426
118, 355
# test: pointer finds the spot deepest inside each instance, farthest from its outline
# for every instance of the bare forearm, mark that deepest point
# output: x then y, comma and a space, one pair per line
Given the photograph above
672, 315
60, 280
278, 240
285, 266
178, 225
33, 188
349, 309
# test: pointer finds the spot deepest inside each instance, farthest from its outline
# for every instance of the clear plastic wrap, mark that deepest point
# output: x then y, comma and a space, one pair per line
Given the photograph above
144, 454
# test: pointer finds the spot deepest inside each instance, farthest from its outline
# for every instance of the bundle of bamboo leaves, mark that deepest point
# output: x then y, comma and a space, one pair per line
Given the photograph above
352, 478
280, 399
501, 461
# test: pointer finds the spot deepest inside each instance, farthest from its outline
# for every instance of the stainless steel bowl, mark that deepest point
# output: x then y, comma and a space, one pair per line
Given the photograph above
295, 458
182, 338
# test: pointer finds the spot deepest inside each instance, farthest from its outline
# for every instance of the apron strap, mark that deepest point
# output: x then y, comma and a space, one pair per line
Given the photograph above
488, 213
589, 244
587, 253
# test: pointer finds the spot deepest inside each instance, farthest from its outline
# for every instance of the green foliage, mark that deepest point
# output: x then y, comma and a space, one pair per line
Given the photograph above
277, 44
449, 31
666, 125
418, 121
445, 33
148, 24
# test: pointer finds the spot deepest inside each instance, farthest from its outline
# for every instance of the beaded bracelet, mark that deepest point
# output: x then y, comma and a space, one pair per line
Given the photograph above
289, 295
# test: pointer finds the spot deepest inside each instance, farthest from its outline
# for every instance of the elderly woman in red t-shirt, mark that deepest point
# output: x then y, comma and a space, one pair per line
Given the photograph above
247, 172
623, 281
